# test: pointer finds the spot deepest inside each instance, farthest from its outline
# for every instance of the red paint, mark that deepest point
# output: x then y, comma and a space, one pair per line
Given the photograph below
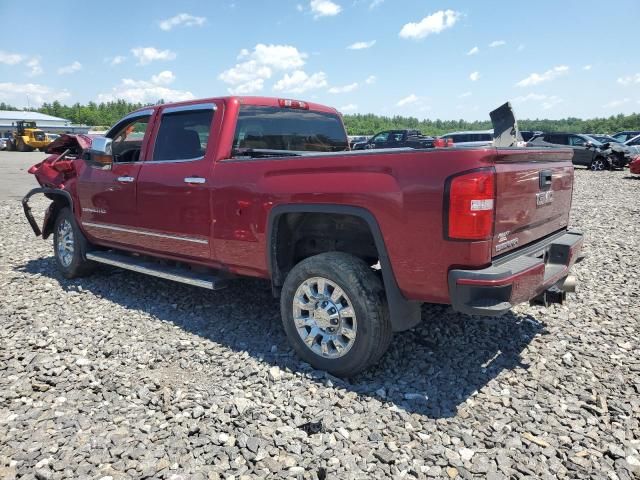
404, 191
634, 167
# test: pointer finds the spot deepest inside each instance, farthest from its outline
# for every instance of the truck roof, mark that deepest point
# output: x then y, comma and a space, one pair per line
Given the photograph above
248, 100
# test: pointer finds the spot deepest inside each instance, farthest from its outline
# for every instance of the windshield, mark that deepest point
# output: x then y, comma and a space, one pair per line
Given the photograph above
593, 141
273, 128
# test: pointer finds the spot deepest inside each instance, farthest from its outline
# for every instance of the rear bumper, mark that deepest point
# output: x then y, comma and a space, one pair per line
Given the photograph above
518, 277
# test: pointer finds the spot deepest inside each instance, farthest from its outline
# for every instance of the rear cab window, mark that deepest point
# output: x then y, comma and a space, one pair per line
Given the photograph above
274, 128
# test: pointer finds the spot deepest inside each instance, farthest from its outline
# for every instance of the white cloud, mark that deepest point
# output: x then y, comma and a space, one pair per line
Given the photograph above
163, 78
182, 20
474, 76
25, 94
142, 91
258, 66
117, 60
35, 67
71, 68
371, 79
434, 23
536, 78
361, 45
281, 57
473, 51
252, 86
324, 8
10, 58
344, 89
299, 8
413, 98
146, 55
464, 95
497, 43
300, 82
375, 3
629, 79
348, 108
587, 67
546, 101
616, 103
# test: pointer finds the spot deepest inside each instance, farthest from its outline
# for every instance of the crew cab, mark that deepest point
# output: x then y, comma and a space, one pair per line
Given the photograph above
396, 139
204, 192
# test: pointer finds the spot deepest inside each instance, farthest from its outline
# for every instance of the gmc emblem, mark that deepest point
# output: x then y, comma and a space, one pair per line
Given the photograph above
544, 198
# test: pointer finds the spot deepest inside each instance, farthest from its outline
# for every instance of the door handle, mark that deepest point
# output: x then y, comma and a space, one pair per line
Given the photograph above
126, 179
195, 180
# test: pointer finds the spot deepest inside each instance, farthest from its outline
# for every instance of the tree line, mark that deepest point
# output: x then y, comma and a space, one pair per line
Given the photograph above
107, 113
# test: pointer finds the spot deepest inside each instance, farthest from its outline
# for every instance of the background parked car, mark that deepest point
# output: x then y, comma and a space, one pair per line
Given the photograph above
588, 151
626, 135
396, 139
470, 139
529, 134
633, 145
634, 166
604, 138
3, 143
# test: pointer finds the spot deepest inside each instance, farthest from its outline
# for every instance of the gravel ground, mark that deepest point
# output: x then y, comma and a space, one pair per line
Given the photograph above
122, 376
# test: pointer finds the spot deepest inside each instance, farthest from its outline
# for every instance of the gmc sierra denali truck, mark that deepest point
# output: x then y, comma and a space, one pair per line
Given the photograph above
353, 243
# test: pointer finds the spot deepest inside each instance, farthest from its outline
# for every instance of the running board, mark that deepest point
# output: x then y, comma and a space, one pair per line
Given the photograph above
140, 265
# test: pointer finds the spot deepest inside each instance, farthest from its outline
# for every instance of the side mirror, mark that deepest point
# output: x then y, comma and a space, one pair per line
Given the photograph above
100, 153
588, 144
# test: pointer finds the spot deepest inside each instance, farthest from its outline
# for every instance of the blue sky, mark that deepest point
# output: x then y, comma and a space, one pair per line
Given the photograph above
429, 59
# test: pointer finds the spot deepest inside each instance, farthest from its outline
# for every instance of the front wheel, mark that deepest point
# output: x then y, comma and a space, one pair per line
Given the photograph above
598, 164
335, 314
70, 246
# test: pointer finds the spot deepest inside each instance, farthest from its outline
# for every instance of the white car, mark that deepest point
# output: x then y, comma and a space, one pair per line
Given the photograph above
634, 145
473, 138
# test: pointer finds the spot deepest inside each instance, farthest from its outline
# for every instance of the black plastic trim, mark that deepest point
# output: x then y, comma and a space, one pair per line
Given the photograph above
405, 314
45, 191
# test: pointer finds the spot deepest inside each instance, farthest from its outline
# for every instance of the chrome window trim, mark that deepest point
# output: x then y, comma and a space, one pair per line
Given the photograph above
117, 228
181, 160
140, 113
189, 108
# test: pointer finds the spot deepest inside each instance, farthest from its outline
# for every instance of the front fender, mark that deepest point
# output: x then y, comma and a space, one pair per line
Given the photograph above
47, 226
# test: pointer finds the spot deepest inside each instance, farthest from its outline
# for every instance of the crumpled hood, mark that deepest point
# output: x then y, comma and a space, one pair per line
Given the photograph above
69, 141
57, 169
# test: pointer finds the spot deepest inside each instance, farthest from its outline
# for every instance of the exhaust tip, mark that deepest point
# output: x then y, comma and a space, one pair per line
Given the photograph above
569, 284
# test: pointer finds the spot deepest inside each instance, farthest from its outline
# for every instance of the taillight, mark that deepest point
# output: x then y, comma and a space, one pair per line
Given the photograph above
442, 142
297, 104
471, 205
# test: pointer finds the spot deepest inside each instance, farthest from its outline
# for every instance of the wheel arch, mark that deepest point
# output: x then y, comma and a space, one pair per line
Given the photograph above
60, 199
404, 313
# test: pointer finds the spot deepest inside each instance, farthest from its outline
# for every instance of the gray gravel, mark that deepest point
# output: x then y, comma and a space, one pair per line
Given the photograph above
122, 376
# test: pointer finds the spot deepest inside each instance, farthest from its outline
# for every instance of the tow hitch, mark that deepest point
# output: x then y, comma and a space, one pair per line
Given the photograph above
557, 293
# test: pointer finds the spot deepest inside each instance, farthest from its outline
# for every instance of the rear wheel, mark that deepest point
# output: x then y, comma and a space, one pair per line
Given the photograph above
21, 146
599, 164
70, 246
10, 146
335, 314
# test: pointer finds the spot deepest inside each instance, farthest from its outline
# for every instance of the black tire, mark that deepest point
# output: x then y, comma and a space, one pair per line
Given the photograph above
10, 146
75, 264
366, 296
20, 145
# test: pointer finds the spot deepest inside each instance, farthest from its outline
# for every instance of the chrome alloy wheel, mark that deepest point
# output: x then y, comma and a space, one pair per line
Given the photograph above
598, 165
324, 317
65, 243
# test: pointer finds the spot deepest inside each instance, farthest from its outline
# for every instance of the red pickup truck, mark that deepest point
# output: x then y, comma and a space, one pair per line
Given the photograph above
204, 191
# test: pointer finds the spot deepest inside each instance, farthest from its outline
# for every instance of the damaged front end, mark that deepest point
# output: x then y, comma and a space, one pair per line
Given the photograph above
54, 174
618, 156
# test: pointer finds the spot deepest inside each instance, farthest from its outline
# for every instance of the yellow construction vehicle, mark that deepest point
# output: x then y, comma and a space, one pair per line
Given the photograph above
27, 137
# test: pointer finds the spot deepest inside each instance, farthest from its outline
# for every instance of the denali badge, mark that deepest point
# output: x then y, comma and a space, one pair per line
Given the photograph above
508, 244
544, 198
94, 210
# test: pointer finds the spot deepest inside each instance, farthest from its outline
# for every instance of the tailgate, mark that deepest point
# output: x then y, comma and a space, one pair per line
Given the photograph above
533, 195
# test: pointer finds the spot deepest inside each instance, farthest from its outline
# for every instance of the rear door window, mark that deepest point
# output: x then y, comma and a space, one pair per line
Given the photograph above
274, 128
183, 134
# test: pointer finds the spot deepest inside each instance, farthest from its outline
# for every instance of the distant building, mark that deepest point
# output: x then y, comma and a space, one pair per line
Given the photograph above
48, 123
